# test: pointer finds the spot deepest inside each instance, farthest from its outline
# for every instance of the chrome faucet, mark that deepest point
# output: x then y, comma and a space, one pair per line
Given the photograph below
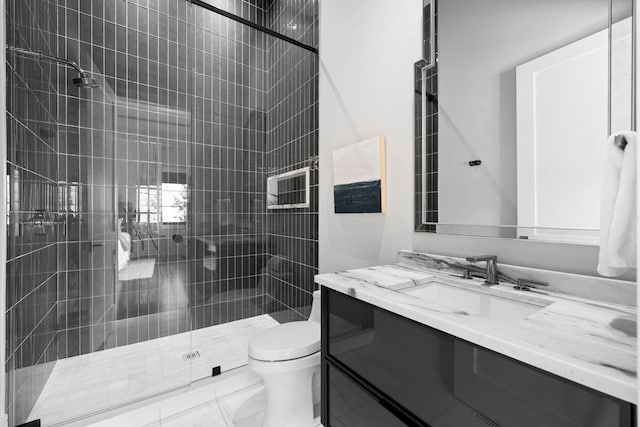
492, 267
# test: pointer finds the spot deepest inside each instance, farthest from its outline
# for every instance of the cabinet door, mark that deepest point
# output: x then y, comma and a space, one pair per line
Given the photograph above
351, 406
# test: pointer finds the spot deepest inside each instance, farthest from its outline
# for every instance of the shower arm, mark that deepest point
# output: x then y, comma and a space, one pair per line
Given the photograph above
50, 58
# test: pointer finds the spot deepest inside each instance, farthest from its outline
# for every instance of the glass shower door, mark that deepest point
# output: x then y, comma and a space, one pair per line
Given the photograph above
153, 122
252, 117
227, 239
98, 260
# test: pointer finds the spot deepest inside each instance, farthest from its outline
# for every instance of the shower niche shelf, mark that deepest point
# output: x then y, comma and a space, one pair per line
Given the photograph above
288, 190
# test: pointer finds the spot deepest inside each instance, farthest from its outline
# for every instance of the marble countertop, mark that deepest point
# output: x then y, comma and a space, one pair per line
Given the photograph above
569, 336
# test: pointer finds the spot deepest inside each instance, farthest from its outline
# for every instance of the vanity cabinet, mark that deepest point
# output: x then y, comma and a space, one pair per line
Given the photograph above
381, 369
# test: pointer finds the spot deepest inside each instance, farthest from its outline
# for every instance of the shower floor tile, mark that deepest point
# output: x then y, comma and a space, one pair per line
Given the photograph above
86, 384
242, 407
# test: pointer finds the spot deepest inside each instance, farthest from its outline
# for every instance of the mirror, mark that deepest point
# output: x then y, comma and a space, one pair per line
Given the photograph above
513, 116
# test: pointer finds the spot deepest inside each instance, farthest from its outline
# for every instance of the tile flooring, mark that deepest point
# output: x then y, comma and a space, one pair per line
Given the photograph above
86, 384
244, 408
237, 399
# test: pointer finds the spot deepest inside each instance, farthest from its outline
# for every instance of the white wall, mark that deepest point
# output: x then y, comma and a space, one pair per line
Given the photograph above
367, 51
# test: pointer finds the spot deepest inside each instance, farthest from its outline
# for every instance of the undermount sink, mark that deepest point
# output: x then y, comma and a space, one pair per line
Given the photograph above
477, 303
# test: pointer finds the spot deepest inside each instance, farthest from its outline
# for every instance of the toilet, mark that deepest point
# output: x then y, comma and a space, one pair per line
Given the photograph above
286, 357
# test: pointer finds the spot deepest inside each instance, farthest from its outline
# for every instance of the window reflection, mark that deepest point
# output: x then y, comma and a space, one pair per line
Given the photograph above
148, 204
69, 197
174, 203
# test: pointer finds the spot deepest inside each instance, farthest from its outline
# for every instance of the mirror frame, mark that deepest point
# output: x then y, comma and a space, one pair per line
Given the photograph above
429, 33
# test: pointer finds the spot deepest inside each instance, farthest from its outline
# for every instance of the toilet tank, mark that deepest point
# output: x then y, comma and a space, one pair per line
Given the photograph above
315, 308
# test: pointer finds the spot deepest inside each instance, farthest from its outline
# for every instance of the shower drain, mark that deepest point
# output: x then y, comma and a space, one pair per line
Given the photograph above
187, 357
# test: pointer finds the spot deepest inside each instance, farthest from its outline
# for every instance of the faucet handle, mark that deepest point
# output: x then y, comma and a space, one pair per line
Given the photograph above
527, 284
491, 269
465, 273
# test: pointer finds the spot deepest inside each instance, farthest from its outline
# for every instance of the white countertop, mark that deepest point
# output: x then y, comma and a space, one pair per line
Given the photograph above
570, 337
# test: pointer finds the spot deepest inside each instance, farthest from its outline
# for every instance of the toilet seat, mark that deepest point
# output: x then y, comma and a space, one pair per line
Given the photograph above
286, 342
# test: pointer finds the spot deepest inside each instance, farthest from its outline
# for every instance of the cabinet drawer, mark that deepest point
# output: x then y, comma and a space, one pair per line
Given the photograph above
407, 361
442, 381
351, 406
514, 394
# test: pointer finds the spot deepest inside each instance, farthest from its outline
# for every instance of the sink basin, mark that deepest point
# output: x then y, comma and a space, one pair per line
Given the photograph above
468, 301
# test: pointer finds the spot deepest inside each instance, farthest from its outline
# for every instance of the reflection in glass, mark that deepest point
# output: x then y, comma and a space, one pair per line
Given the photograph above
140, 203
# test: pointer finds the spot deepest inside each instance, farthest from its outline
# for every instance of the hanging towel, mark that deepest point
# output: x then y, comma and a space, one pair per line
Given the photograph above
618, 207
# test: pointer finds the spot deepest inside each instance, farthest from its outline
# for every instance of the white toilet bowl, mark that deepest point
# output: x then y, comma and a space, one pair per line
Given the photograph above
286, 357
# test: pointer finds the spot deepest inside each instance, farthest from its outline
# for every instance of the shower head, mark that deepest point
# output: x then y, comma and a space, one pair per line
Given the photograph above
85, 81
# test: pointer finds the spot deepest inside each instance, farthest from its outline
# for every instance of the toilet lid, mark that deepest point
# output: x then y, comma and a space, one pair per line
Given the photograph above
287, 341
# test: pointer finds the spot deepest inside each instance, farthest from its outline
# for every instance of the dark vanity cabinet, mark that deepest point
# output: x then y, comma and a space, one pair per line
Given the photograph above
381, 369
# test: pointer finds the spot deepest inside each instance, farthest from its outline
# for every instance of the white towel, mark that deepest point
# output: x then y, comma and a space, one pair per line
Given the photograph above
618, 208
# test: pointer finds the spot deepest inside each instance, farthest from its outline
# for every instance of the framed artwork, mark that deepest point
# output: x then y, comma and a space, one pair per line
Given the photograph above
359, 177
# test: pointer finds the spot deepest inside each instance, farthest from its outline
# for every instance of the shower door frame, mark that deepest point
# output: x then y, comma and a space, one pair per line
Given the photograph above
4, 419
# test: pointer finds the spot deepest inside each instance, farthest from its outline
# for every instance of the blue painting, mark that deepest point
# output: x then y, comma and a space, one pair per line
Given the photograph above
358, 177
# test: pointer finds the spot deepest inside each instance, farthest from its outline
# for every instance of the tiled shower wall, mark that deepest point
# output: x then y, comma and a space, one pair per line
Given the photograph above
181, 102
185, 96
292, 143
32, 169
229, 186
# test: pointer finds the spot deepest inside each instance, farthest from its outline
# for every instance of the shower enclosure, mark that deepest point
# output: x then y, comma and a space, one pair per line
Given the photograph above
141, 255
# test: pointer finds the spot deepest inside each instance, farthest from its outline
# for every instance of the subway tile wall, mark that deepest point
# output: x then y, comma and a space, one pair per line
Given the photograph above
292, 143
33, 230
172, 151
176, 140
230, 108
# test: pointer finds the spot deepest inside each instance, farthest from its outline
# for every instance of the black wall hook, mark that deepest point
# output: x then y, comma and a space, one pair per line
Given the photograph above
620, 141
